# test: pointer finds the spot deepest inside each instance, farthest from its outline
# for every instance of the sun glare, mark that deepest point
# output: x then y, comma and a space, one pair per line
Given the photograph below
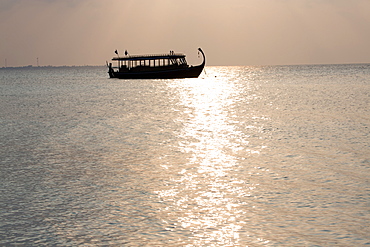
205, 198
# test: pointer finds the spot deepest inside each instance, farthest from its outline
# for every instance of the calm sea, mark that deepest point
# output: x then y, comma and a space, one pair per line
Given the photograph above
242, 156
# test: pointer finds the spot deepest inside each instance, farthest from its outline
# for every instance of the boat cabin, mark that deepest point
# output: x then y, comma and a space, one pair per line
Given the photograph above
150, 62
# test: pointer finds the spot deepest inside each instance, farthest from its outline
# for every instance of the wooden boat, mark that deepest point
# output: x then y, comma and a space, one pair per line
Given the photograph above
163, 66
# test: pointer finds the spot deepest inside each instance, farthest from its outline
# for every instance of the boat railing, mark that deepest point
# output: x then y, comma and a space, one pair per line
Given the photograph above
151, 56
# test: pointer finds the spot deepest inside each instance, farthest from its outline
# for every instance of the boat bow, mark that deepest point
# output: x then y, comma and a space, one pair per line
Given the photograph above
204, 56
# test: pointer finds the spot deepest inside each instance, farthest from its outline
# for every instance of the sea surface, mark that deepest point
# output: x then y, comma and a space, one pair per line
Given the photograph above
241, 156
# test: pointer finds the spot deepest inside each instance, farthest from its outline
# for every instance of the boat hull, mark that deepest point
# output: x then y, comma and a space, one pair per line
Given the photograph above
175, 73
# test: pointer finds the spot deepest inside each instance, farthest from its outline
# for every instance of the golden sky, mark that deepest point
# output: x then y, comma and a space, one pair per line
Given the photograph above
231, 32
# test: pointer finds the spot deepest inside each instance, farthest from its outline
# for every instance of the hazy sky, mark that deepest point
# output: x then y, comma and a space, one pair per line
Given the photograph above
231, 32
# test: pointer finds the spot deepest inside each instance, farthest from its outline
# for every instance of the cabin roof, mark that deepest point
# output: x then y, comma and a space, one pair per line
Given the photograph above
149, 57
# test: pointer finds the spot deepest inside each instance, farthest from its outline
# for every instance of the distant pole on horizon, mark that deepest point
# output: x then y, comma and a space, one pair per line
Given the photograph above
6, 63
38, 62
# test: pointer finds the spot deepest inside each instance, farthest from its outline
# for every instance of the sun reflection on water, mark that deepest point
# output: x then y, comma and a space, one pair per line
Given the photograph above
204, 196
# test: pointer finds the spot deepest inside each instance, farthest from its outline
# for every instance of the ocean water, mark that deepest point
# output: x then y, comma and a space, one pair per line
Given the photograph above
242, 156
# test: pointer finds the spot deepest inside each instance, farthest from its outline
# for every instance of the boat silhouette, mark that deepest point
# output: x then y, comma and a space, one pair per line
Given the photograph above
161, 66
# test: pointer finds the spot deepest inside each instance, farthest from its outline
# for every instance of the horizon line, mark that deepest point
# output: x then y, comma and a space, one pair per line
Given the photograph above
103, 65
